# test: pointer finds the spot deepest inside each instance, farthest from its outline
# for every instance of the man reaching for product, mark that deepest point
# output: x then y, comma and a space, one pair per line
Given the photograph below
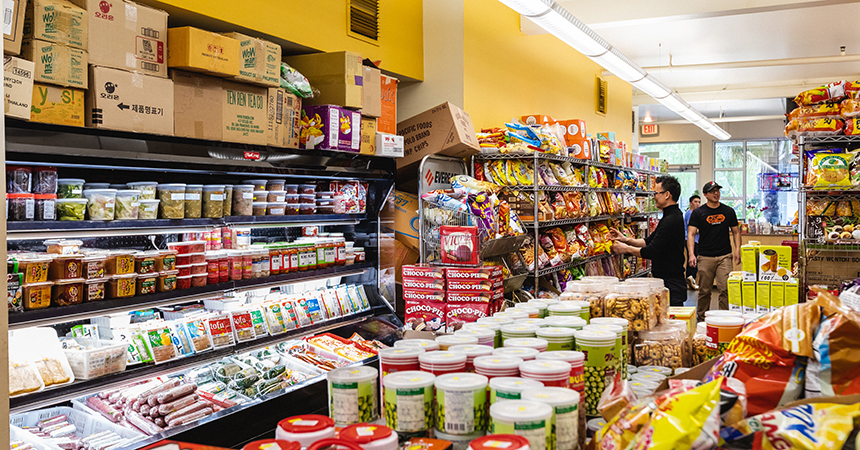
665, 246
713, 221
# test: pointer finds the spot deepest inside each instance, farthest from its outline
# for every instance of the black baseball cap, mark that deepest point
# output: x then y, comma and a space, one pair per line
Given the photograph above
710, 186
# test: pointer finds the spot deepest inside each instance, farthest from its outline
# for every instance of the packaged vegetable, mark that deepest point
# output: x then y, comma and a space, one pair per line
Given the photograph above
814, 426
194, 201
18, 180
172, 201
294, 82
70, 188
147, 189
101, 203
71, 208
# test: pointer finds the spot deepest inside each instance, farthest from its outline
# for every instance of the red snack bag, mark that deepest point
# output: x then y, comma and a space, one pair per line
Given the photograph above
425, 315
459, 245
852, 127
460, 313
559, 242
850, 107
830, 92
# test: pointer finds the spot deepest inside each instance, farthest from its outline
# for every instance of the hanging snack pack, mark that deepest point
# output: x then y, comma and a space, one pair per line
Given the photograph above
459, 245
835, 367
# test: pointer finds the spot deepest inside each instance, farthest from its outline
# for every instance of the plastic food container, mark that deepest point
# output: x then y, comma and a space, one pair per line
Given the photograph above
184, 270
518, 331
327, 195
721, 331
147, 283
37, 295
119, 262
626, 347
401, 359
599, 367
94, 289
67, 292
96, 186
355, 390
198, 280
307, 199
122, 286
325, 206
275, 185
512, 417
183, 259
276, 208
279, 196
45, 180
21, 207
18, 180
144, 262
488, 326
228, 200
307, 209
442, 362
34, 267
261, 196
66, 267
510, 388
193, 201
511, 314
183, 282
526, 354
213, 201
259, 184
197, 258
540, 305
292, 199
63, 246
127, 204
407, 400
557, 338
71, 208
595, 425
307, 189
101, 203
426, 344
291, 189
576, 361
535, 343
572, 322
497, 366
630, 302
565, 431
70, 188
486, 336
186, 247
592, 291
167, 280
166, 260
305, 429
259, 208
553, 373
370, 437
495, 442
466, 391
97, 358
566, 309
172, 200
46, 206
148, 209
147, 189
198, 268
93, 266
448, 340
620, 344
472, 351
534, 313
243, 200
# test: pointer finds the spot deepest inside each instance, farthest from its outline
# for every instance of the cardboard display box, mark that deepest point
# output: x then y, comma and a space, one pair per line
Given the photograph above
368, 136
126, 35
774, 263
56, 63
128, 101
387, 122
445, 129
372, 102
57, 21
339, 76
57, 105
389, 145
13, 31
203, 51
406, 219
196, 105
18, 87
329, 127
259, 60
244, 109
283, 118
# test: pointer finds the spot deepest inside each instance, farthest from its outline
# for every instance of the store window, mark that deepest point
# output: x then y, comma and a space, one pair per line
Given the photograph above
683, 159
759, 179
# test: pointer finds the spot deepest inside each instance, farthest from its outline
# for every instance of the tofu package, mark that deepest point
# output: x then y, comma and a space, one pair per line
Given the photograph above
18, 87
129, 101
330, 127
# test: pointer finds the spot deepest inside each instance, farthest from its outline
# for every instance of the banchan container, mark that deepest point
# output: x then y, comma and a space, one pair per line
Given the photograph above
353, 394
305, 429
620, 348
535, 343
445, 342
577, 380
458, 442
533, 312
540, 304
399, 359
472, 351
483, 331
531, 420
516, 330
565, 417
497, 366
441, 363
535, 322
370, 436
557, 338
575, 323
427, 344
549, 372
500, 442
512, 313
466, 394
408, 401
600, 364
526, 354
510, 388
625, 338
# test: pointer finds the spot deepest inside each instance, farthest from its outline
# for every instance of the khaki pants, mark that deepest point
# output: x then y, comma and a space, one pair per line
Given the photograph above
711, 268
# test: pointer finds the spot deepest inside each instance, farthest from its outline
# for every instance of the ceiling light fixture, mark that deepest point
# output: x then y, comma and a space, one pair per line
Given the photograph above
570, 30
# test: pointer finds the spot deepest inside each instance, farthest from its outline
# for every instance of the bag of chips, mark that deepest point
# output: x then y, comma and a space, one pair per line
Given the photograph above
522, 134
850, 107
559, 242
464, 184
832, 170
547, 245
585, 239
559, 208
593, 203
561, 174
522, 172
824, 110
573, 202
851, 127
820, 127
829, 92
813, 426
835, 366
616, 397
547, 175
528, 252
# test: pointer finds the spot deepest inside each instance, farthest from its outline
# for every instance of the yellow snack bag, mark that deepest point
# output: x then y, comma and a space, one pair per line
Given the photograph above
832, 170
521, 172
814, 426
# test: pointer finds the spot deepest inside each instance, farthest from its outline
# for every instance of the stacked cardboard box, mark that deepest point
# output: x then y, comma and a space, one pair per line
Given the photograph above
764, 283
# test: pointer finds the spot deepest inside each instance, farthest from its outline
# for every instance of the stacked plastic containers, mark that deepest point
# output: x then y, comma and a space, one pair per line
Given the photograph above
462, 391
408, 401
497, 366
426, 344
565, 433
510, 388
305, 429
553, 373
472, 351
621, 352
441, 363
577, 378
557, 338
526, 354
535, 343
515, 330
447, 341
399, 359
485, 333
515, 416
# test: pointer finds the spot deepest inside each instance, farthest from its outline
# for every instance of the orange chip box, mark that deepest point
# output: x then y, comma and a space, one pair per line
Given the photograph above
537, 119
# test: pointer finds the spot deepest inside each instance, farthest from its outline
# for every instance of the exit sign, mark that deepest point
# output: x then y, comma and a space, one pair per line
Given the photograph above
650, 129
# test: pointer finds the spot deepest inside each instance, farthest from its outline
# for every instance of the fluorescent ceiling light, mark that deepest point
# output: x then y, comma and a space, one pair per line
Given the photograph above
652, 87
693, 116
571, 31
529, 7
675, 103
622, 67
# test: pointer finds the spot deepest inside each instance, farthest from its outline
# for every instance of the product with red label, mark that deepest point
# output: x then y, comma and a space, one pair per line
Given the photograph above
474, 285
473, 273
305, 429
425, 315
221, 330
460, 313
423, 283
427, 295
423, 271
459, 245
471, 297
243, 325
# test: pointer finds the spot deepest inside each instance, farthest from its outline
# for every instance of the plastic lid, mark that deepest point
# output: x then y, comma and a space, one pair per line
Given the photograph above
70, 181
214, 187
554, 396
623, 323
243, 187
150, 200
450, 340
356, 374
587, 286
645, 384
272, 444
398, 353
199, 274
45, 196
256, 181
597, 337
128, 275
495, 320
364, 433
535, 322
514, 384
183, 277
512, 314
19, 196
595, 425
91, 257
477, 326
565, 307
194, 186
472, 351
545, 367
42, 284
520, 411
653, 377
307, 423
601, 278
442, 358
171, 185
702, 328
168, 272
723, 313
142, 183
128, 192
426, 344
518, 329
524, 353
719, 321
497, 362
609, 328
499, 442
461, 381
565, 321
556, 333
57, 256
458, 438
655, 369
408, 379
485, 334
530, 310
539, 344
70, 200
568, 356
628, 288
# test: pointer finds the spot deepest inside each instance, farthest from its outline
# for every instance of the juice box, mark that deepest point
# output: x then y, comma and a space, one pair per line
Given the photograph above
762, 297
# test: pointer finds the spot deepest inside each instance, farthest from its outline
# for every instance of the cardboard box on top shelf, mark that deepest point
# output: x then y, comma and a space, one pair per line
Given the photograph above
339, 76
245, 113
406, 219
283, 118
371, 105
330, 127
259, 60
445, 129
126, 35
57, 21
203, 51
196, 105
574, 130
128, 101
57, 105
13, 31
18, 87
387, 122
56, 63
389, 145
368, 136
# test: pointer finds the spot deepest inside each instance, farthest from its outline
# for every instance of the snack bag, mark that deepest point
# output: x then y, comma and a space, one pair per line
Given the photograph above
464, 184
559, 242
574, 209
577, 177
547, 175
832, 170
482, 206
488, 174
522, 134
830, 92
824, 110
561, 174
617, 396
593, 204
445, 201
559, 209
851, 127
515, 225
605, 150
549, 141
459, 245
585, 239
504, 224
850, 108
835, 367
819, 127
522, 172
814, 426
479, 171
548, 246
528, 252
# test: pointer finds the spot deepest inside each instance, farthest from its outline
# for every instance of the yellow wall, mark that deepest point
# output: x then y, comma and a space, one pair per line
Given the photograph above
322, 25
509, 74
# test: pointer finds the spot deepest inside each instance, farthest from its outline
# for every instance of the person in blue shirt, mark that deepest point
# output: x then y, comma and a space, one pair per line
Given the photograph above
692, 271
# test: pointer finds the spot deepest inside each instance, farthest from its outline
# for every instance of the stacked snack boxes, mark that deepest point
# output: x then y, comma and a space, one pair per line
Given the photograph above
764, 283
424, 295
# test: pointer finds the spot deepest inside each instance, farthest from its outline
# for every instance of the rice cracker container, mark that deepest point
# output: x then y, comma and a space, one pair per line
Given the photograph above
401, 359
352, 395
305, 429
565, 417
557, 338
461, 403
510, 388
408, 401
492, 326
500, 442
531, 420
472, 352
577, 380
601, 363
620, 343
625, 342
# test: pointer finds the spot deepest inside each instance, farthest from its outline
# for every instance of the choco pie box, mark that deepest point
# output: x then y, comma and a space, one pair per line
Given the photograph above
424, 296
458, 313
426, 315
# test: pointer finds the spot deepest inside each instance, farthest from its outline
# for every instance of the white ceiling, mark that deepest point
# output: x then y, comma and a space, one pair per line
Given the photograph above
683, 32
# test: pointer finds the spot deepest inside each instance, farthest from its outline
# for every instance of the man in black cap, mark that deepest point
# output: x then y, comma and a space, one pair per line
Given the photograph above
665, 246
713, 221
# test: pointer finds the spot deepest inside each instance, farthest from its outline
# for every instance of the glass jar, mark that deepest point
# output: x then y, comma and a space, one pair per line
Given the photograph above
308, 250
659, 347
213, 267
629, 301
592, 292
193, 201
340, 249
213, 201
224, 267
275, 259
236, 264
256, 264
265, 264
243, 200
247, 265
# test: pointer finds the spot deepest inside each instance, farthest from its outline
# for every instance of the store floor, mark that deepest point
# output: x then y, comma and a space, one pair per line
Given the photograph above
693, 298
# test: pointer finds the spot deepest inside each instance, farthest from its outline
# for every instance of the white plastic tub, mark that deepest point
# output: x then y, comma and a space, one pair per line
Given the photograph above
85, 423
101, 358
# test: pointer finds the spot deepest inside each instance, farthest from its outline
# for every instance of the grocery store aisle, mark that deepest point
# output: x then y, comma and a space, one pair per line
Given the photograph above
693, 298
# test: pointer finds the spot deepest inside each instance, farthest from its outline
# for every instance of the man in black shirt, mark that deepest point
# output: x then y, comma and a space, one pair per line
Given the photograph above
713, 221
665, 246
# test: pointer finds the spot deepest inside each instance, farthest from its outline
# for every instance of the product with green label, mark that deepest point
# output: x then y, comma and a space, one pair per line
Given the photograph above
531, 420
565, 416
620, 343
352, 395
601, 363
510, 388
461, 403
408, 401
558, 338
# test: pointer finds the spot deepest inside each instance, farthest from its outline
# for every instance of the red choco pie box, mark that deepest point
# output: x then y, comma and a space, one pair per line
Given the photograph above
460, 313
425, 316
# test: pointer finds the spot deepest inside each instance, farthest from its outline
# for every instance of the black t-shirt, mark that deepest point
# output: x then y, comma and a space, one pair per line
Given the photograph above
665, 246
714, 226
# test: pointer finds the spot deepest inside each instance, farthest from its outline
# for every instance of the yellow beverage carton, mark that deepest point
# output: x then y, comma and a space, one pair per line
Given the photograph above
777, 295
748, 292
792, 292
762, 297
749, 261
736, 299
774, 263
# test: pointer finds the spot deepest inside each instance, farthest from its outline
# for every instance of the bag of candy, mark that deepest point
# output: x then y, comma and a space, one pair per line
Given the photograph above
577, 176
829, 92
547, 175
812, 426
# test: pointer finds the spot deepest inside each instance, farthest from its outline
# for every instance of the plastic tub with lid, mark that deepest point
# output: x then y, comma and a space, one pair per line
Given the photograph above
147, 189
595, 425
526, 354
94, 289
535, 343
44, 180
305, 429
442, 362
71, 209
565, 418
553, 373
276, 208
512, 314
720, 331
500, 441
307, 189
259, 208
37, 295
370, 436
275, 185
427, 344
122, 286
261, 196
33, 266
127, 204
662, 370
101, 203
649, 377
510, 388
400, 359
213, 200
353, 392
600, 364
466, 391
407, 400
447, 341
193, 201
243, 200
66, 266
516, 330
485, 336
531, 420
120, 262
564, 309
172, 200
259, 184
458, 442
93, 266
576, 361
541, 305
534, 313
46, 208
277, 196
472, 351
621, 347
631, 301
96, 186
557, 338
572, 322
20, 207
148, 209
535, 322
497, 366
70, 188
272, 444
